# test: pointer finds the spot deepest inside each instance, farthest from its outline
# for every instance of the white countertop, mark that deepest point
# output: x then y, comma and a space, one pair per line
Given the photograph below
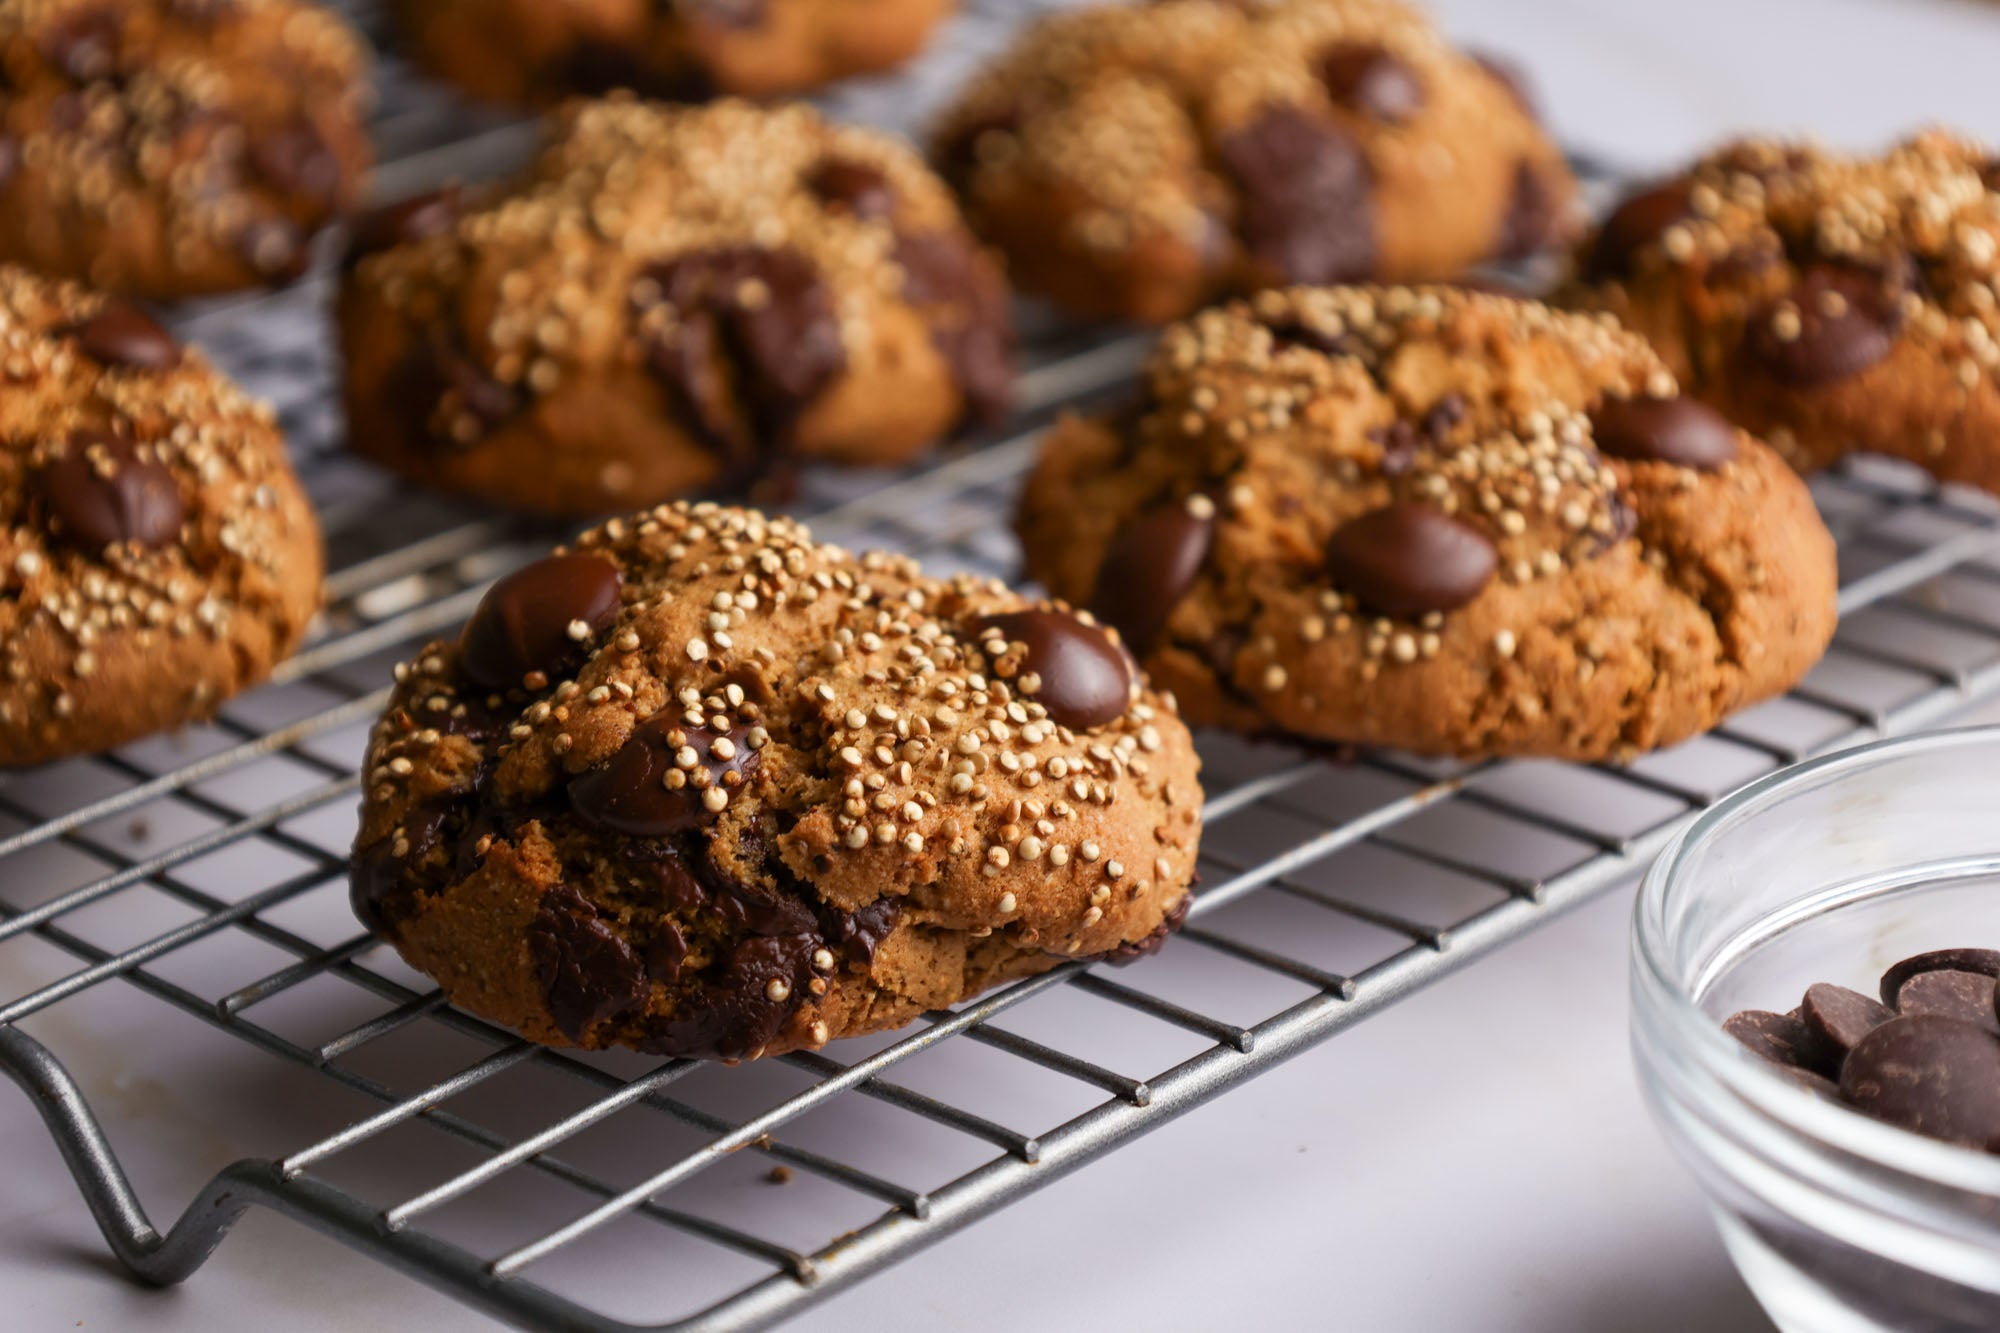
1474, 1158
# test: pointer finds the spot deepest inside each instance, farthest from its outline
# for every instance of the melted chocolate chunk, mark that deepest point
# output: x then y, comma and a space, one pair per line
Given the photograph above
971, 331
527, 621
1086, 679
860, 933
379, 887
1533, 218
438, 379
127, 499
1306, 195
753, 343
402, 223
761, 983
121, 334
84, 45
1936, 1076
629, 793
1986, 962
588, 972
857, 187
1367, 79
1407, 560
1680, 431
1632, 226
295, 159
1145, 947
1838, 320
1149, 567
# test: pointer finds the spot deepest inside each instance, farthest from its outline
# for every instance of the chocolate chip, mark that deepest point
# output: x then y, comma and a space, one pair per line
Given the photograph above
1153, 941
121, 334
860, 933
1837, 1018
402, 223
1837, 321
629, 792
735, 1015
84, 45
1306, 195
1510, 77
10, 158
1533, 219
1986, 962
1966, 996
1635, 224
438, 388
528, 621
1086, 679
1365, 78
972, 329
380, 886
1937, 1076
856, 187
754, 341
295, 159
1148, 568
100, 492
588, 972
1680, 431
1407, 560
1780, 1038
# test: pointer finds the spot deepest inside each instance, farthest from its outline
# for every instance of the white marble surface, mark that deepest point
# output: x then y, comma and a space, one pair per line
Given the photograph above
1476, 1158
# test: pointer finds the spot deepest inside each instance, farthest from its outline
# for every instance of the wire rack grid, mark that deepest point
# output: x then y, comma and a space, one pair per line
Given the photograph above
201, 878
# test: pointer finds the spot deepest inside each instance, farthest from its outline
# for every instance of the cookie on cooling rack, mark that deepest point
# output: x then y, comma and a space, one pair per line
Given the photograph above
539, 51
703, 787
1829, 303
671, 300
170, 148
158, 554
1136, 161
1443, 521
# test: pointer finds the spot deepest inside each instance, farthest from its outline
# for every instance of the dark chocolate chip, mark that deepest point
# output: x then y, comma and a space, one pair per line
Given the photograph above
295, 159
1306, 195
527, 621
629, 792
856, 187
1780, 1038
380, 886
971, 328
860, 933
402, 223
10, 158
1407, 560
1966, 996
1533, 219
763, 979
121, 334
1937, 1076
1511, 77
84, 45
1986, 962
1680, 431
1837, 321
1148, 568
1153, 941
587, 970
100, 492
437, 380
1837, 1018
1367, 79
1636, 223
1085, 679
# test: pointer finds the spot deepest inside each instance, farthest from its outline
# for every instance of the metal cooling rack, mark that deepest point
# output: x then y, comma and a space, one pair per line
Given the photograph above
204, 875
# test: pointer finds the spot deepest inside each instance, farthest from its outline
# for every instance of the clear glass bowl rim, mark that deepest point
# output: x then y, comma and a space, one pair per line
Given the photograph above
1692, 1032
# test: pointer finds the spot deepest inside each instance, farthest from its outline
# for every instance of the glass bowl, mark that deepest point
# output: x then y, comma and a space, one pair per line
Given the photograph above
1828, 871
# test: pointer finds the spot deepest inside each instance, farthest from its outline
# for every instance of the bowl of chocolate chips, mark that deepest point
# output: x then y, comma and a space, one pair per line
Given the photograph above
1816, 1022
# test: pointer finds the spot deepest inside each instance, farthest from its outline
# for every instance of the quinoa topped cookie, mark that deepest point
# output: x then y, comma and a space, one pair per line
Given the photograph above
1137, 161
669, 300
157, 553
1830, 303
170, 148
703, 787
1443, 521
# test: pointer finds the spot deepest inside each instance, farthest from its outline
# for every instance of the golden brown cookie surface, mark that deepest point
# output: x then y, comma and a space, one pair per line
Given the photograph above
540, 51
1136, 161
1435, 520
1830, 303
670, 300
704, 787
158, 554
169, 148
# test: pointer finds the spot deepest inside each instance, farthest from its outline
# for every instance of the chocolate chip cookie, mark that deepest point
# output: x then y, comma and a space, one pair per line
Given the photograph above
1829, 303
540, 51
157, 553
670, 300
1433, 519
1136, 161
703, 787
169, 148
